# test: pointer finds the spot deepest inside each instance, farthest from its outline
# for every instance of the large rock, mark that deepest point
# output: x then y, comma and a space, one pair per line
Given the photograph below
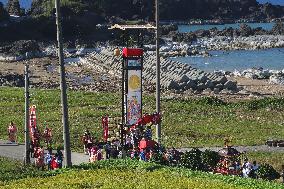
277, 79
12, 80
20, 47
278, 29
245, 30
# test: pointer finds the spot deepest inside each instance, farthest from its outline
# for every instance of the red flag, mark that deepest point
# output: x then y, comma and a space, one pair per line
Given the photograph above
105, 127
32, 122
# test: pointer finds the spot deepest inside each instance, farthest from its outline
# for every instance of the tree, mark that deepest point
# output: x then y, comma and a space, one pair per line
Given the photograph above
13, 7
3, 13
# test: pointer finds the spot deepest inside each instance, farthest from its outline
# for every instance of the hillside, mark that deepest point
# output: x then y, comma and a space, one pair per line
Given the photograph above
187, 9
27, 3
81, 17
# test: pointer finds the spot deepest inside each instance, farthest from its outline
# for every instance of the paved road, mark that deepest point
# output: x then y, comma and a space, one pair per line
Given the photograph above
17, 152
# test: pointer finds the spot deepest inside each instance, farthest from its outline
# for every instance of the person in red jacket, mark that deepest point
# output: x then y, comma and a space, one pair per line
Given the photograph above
54, 163
39, 157
12, 132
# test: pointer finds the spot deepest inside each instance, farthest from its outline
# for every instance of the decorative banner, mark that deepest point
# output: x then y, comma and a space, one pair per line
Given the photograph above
134, 97
105, 127
134, 81
32, 121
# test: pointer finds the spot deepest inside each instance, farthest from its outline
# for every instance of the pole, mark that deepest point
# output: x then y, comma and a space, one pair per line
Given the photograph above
27, 104
66, 135
158, 76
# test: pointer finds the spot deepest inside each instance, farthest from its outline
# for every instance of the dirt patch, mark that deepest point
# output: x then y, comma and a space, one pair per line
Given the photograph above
45, 74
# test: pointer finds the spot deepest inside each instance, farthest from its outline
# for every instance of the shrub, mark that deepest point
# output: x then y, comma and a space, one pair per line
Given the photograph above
210, 159
192, 159
267, 172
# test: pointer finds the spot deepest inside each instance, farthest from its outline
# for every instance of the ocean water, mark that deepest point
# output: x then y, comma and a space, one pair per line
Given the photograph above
272, 59
192, 28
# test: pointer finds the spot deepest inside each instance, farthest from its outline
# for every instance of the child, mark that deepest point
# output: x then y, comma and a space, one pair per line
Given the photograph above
48, 159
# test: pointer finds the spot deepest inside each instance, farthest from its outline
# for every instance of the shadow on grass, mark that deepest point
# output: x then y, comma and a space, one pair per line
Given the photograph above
153, 168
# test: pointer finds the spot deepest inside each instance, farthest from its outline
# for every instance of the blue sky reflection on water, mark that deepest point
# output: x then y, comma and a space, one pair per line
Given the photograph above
272, 59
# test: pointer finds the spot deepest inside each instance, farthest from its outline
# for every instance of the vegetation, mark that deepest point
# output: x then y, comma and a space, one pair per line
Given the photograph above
275, 159
3, 13
135, 174
267, 172
210, 159
13, 170
192, 160
186, 123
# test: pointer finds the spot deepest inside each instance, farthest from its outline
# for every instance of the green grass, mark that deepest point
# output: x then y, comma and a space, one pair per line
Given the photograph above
133, 174
186, 123
13, 170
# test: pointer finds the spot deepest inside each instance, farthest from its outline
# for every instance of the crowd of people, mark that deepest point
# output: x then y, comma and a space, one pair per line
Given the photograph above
137, 144
133, 146
146, 149
50, 160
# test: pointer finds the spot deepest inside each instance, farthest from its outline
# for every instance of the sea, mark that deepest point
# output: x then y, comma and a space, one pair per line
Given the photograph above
270, 59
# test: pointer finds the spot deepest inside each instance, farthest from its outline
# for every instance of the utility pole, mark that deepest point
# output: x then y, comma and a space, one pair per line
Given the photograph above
27, 116
158, 74
66, 134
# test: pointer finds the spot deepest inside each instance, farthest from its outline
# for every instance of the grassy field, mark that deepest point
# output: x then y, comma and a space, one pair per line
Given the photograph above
133, 174
186, 123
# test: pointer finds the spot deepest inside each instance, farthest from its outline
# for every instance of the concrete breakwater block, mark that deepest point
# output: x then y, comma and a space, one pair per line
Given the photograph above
230, 85
174, 75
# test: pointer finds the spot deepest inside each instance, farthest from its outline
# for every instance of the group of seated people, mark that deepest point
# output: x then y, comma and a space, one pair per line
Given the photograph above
247, 169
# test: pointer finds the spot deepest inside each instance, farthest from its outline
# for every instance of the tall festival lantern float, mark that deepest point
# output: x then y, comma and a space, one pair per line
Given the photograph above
132, 84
